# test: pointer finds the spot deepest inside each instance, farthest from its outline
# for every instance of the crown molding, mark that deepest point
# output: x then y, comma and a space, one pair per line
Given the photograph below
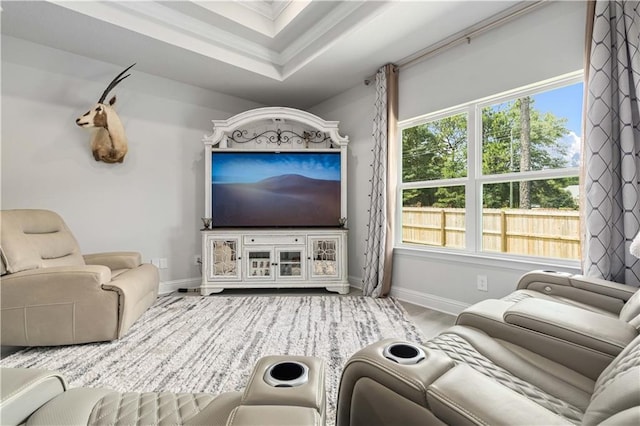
156, 20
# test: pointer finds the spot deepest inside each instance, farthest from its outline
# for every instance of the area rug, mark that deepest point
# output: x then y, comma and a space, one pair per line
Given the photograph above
210, 344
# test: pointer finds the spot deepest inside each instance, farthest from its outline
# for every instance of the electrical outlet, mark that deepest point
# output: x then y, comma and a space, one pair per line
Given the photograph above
483, 284
197, 260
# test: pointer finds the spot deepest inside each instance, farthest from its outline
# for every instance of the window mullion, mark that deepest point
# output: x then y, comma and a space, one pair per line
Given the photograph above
471, 194
531, 175
436, 183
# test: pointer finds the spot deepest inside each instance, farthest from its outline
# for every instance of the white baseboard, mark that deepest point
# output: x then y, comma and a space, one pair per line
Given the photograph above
437, 303
426, 300
167, 287
355, 282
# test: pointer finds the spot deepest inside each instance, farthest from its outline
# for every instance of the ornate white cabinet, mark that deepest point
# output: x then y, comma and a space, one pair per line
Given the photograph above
273, 258
306, 191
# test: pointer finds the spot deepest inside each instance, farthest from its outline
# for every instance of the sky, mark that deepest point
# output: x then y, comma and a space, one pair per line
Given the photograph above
563, 102
566, 102
247, 167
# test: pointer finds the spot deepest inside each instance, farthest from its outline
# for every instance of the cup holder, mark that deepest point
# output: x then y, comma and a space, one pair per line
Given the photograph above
404, 353
564, 274
287, 374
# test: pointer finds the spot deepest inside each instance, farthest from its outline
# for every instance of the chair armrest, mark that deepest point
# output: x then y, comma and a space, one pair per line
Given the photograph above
137, 289
309, 393
24, 390
464, 396
64, 276
115, 260
408, 382
607, 295
58, 306
572, 324
274, 415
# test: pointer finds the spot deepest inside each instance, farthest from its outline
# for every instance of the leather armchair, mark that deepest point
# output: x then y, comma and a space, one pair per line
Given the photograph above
53, 295
35, 397
577, 321
593, 294
465, 377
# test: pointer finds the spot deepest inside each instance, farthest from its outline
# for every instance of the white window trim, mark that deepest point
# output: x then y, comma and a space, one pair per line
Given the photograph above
472, 253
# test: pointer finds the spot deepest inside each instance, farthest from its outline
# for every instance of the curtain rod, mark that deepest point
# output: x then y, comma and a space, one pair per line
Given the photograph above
467, 34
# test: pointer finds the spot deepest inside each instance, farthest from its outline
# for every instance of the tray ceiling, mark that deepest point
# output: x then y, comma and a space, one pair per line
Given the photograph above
293, 53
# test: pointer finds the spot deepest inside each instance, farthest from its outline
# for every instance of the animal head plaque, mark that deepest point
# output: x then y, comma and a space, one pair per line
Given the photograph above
109, 142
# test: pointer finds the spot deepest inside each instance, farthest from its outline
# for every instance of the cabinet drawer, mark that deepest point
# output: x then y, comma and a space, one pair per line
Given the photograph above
274, 239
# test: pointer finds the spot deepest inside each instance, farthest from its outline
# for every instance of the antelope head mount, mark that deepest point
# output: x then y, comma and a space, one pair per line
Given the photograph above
109, 142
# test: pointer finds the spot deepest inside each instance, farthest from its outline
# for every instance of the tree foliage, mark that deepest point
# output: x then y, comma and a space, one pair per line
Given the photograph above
438, 150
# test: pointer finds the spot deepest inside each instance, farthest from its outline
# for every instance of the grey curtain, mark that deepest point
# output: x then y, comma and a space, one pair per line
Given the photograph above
612, 143
379, 245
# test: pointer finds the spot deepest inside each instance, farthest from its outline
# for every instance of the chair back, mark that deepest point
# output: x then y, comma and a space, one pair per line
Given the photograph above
616, 395
630, 312
32, 239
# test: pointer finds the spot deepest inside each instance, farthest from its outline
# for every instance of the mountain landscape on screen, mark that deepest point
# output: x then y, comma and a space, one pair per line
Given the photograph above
276, 189
287, 200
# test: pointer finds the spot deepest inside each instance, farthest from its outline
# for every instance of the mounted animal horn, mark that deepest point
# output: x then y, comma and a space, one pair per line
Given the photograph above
109, 142
114, 83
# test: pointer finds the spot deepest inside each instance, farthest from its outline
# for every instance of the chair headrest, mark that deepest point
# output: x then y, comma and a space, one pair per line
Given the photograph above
31, 239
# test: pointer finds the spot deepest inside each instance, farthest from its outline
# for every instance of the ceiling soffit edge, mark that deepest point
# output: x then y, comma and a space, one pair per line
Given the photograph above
259, 17
155, 20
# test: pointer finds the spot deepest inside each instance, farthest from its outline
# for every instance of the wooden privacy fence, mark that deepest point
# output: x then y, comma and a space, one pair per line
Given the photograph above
535, 232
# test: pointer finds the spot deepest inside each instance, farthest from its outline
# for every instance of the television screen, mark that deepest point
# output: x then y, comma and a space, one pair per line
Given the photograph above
285, 189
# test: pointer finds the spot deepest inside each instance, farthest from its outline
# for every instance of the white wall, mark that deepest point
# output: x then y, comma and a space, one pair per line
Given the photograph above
543, 44
151, 203
354, 110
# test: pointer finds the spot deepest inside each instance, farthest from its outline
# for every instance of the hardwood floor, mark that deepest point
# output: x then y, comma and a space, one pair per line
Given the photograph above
430, 322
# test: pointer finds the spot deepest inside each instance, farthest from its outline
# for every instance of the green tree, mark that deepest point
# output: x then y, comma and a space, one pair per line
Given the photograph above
438, 150
434, 150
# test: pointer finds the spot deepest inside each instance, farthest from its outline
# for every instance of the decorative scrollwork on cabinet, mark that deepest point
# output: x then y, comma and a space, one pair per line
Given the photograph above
279, 137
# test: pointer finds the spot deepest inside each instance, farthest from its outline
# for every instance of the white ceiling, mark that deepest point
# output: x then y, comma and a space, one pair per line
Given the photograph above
292, 53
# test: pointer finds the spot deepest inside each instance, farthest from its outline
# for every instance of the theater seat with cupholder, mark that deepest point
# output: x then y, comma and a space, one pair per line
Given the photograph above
40, 397
577, 321
465, 377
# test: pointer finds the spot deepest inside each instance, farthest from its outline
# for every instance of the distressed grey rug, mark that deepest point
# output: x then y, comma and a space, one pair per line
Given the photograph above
210, 344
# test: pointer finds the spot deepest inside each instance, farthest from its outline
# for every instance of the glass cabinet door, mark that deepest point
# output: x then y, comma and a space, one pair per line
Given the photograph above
290, 263
223, 258
259, 265
323, 257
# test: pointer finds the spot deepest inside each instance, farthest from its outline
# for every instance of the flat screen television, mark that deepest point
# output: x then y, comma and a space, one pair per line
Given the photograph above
275, 189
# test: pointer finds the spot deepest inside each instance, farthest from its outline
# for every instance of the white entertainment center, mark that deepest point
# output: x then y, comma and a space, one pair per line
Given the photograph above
298, 256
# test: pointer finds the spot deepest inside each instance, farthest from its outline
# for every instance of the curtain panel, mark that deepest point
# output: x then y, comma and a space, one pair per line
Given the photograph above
379, 244
612, 143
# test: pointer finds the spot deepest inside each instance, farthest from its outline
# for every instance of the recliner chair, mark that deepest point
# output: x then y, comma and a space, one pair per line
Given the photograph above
593, 294
578, 321
53, 295
465, 377
282, 391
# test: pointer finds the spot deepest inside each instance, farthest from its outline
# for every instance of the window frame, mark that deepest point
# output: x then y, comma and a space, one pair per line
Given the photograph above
475, 180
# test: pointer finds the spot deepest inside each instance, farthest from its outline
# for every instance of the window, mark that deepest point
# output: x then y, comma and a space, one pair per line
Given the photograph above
499, 175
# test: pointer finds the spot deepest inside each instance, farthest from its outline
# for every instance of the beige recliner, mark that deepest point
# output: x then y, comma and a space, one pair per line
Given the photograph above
578, 321
53, 295
465, 377
593, 294
282, 391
